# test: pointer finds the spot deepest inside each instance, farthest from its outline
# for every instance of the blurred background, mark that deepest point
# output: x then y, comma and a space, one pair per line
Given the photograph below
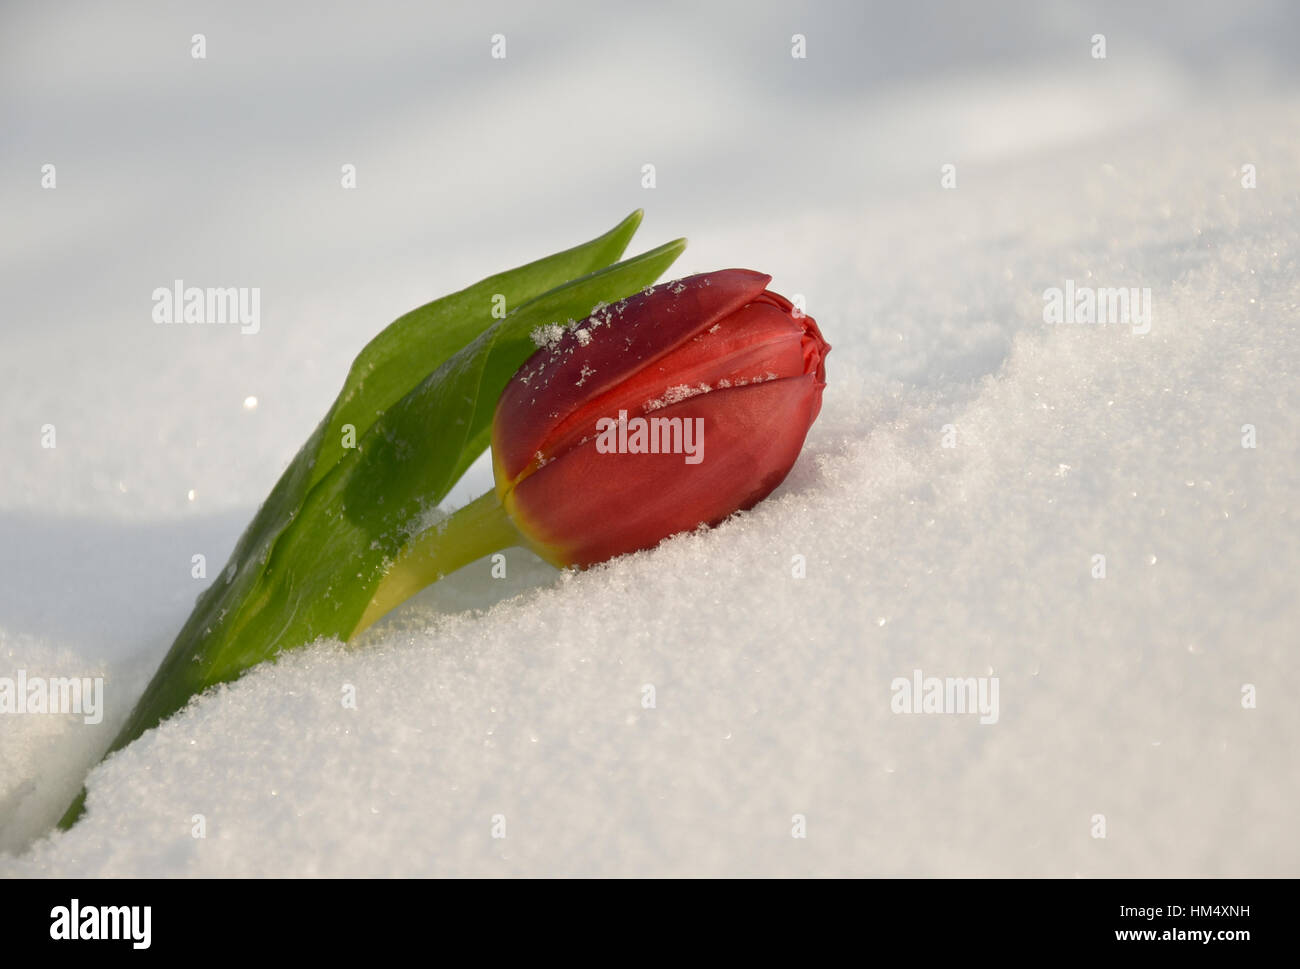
227, 171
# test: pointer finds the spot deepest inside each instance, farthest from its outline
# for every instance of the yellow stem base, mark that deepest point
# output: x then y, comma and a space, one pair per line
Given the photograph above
478, 529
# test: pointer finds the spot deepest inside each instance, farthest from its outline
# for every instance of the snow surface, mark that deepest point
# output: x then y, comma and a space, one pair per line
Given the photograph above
522, 697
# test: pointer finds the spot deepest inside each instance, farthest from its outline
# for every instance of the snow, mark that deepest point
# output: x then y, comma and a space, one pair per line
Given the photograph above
525, 696
680, 392
548, 336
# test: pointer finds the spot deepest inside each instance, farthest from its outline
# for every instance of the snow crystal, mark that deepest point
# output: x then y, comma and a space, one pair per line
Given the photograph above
674, 395
548, 335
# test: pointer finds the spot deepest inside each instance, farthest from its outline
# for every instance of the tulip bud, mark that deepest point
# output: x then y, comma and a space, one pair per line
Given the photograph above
670, 409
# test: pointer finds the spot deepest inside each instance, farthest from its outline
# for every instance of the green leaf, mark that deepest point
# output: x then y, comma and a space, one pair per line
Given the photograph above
395, 362
416, 344
379, 495
316, 578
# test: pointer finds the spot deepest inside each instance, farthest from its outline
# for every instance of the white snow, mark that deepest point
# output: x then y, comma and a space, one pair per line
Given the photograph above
524, 696
547, 337
680, 392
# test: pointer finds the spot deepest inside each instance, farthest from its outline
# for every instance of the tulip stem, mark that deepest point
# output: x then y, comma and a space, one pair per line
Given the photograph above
480, 528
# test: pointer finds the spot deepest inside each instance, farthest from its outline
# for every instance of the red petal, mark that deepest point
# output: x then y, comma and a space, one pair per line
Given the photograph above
585, 506
622, 339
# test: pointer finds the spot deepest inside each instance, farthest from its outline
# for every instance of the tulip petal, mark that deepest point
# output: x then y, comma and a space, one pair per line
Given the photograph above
754, 344
604, 351
590, 506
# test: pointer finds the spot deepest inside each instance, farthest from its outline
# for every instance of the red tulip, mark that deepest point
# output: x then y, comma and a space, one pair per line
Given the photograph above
668, 410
